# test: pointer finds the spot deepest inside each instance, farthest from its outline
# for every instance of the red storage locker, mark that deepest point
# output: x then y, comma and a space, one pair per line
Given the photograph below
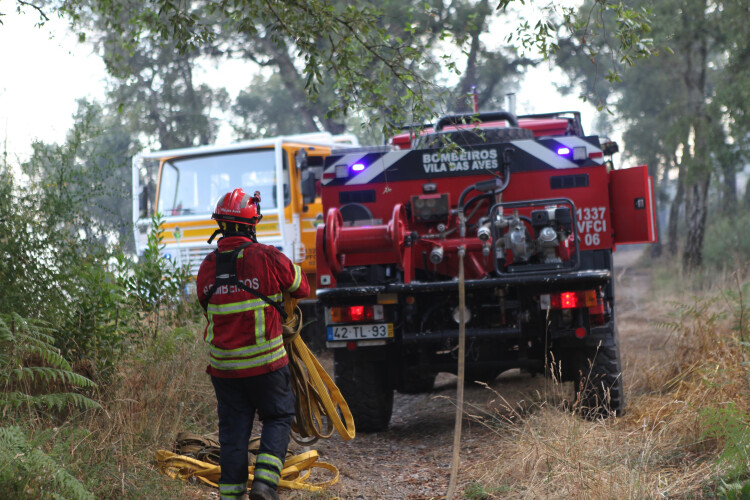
631, 192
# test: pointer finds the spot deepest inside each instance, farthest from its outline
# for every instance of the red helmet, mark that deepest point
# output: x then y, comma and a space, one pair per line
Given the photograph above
238, 207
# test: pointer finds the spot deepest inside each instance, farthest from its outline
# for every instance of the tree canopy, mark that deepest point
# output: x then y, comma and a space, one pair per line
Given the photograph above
378, 62
684, 113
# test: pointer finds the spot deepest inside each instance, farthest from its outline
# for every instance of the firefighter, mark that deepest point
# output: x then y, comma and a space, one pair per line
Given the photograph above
240, 288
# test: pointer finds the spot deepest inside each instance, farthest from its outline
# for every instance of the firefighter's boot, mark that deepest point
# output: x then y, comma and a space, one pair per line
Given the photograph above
263, 491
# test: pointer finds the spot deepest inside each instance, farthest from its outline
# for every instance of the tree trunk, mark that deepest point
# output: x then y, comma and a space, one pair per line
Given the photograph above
657, 246
729, 188
699, 174
674, 213
696, 210
334, 125
291, 80
469, 79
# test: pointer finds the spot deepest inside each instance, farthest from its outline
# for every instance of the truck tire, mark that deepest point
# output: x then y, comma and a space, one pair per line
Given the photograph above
313, 331
485, 374
417, 384
598, 378
364, 385
467, 137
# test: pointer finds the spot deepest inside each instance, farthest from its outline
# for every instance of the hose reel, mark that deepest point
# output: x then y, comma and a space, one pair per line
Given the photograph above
386, 239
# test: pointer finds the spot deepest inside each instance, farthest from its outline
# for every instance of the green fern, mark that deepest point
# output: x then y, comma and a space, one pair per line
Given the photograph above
28, 357
731, 426
691, 317
28, 472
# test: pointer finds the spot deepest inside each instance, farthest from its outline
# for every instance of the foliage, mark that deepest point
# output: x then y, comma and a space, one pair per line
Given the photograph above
61, 228
353, 41
683, 108
439, 29
157, 94
727, 245
685, 431
27, 472
32, 371
154, 284
60, 222
735, 25
739, 490
730, 425
382, 61
737, 301
478, 491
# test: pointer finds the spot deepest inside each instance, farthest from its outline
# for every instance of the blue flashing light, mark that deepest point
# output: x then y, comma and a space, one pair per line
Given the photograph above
358, 167
563, 151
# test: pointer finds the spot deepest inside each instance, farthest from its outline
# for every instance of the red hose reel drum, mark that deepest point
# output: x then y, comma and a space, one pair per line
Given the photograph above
340, 240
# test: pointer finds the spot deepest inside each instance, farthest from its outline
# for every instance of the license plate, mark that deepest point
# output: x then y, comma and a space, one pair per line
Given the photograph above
357, 332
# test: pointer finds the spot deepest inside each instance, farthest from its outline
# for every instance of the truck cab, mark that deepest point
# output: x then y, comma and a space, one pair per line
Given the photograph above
183, 186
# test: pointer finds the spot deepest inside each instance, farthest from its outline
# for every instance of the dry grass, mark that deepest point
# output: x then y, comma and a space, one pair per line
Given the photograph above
664, 446
160, 390
683, 361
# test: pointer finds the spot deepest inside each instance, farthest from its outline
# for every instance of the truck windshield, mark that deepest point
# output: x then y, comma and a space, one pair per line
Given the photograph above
192, 185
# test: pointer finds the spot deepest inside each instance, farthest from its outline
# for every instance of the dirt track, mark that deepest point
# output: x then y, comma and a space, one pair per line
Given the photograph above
412, 459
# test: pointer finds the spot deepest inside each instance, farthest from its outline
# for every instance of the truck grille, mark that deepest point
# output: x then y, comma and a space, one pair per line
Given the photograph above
193, 256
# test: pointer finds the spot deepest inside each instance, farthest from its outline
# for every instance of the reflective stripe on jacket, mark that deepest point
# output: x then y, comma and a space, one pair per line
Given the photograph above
245, 331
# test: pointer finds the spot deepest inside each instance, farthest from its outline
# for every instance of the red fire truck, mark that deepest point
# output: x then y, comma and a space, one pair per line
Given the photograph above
533, 210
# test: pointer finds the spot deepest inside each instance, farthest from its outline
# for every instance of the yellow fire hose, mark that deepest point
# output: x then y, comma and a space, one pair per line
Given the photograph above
320, 409
317, 394
295, 474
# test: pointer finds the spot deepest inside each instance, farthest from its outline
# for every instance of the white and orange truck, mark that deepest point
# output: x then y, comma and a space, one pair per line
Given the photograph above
183, 185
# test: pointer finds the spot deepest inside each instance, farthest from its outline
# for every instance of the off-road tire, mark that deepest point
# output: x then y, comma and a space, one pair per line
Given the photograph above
472, 136
364, 385
313, 331
598, 378
418, 383
480, 374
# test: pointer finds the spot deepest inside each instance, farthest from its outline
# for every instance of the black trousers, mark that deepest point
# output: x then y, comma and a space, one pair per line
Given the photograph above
238, 399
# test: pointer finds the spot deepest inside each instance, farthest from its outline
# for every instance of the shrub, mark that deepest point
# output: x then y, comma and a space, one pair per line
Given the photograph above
154, 285
28, 472
29, 361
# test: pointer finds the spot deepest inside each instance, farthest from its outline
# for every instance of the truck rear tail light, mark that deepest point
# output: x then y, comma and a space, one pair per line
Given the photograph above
356, 314
569, 300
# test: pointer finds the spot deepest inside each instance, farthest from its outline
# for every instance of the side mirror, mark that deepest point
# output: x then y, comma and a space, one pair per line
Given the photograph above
300, 158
